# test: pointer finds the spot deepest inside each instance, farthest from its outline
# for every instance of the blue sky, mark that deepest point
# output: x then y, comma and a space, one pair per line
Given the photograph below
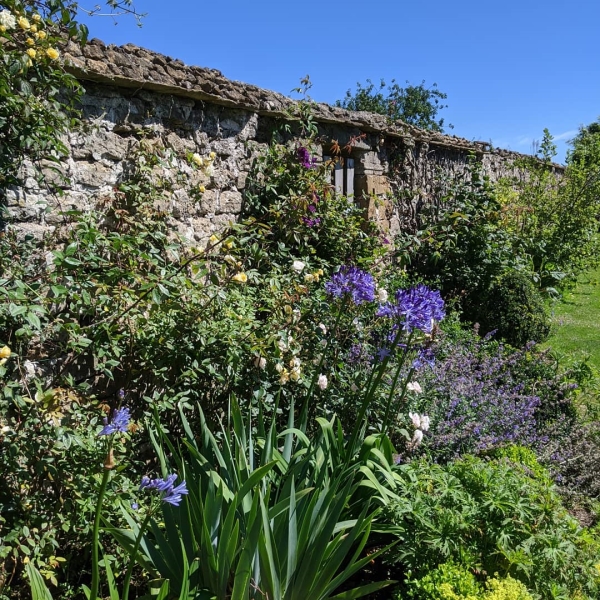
510, 68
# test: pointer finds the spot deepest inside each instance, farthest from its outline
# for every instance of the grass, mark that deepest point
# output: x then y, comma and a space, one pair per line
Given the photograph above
576, 322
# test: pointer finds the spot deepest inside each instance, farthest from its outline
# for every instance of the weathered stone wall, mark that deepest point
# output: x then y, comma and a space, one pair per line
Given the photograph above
131, 92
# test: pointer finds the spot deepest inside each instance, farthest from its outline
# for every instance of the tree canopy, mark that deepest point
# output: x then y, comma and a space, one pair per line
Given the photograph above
417, 105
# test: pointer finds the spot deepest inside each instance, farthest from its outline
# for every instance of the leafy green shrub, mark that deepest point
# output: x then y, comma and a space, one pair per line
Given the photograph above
552, 216
527, 458
513, 307
460, 246
489, 516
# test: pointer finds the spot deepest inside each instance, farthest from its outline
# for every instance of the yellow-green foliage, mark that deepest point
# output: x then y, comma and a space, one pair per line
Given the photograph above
506, 589
448, 581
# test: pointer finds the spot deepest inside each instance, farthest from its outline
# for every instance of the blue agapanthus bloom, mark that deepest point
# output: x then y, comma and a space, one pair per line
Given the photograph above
120, 422
350, 280
417, 308
171, 493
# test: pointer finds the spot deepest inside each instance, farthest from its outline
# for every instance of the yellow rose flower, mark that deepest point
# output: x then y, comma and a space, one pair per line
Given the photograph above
33, 29
52, 53
213, 239
31, 52
41, 35
228, 244
37, 18
240, 277
5, 352
30, 42
202, 189
213, 155
197, 159
23, 23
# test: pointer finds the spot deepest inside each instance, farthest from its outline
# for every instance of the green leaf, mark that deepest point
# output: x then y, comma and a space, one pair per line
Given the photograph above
39, 590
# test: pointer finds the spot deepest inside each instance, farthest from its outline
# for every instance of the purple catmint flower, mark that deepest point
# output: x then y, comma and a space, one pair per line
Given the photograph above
356, 354
351, 281
425, 358
119, 422
171, 493
306, 160
417, 308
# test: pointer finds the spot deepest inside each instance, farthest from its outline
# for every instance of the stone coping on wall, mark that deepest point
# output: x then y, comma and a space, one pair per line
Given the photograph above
133, 67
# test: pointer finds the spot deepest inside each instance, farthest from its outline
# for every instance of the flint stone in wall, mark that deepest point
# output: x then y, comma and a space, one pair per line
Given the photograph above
229, 202
94, 175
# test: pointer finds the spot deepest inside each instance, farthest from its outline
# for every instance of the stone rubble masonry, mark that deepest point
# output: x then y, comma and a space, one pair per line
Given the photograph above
130, 90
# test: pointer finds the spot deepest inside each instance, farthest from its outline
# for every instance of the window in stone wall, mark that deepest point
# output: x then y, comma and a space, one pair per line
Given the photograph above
342, 174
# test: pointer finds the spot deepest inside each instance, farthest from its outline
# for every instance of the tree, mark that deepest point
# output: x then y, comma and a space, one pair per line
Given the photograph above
586, 146
414, 104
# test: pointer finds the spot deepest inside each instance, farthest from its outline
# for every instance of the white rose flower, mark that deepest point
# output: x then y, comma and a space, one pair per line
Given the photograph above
416, 419
424, 422
29, 369
322, 382
417, 438
7, 19
382, 295
414, 386
298, 266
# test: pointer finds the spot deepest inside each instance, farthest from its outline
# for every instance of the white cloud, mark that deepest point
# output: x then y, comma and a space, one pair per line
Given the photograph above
567, 135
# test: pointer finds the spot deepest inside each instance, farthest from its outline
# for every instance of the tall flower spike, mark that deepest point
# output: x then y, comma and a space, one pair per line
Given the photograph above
120, 422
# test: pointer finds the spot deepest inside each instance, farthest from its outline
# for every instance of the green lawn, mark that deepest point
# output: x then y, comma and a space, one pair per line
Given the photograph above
576, 321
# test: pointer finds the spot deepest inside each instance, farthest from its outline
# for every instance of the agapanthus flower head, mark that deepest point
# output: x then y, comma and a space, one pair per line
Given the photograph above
119, 422
171, 493
306, 160
352, 281
417, 308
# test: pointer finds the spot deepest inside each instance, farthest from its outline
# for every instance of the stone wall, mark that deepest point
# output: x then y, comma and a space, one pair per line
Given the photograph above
132, 93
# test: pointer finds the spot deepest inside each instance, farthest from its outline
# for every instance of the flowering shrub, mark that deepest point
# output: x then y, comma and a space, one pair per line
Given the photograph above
480, 396
31, 113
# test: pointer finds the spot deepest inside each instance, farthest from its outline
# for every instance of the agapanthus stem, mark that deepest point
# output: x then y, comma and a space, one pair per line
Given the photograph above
136, 547
371, 391
96, 534
384, 425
